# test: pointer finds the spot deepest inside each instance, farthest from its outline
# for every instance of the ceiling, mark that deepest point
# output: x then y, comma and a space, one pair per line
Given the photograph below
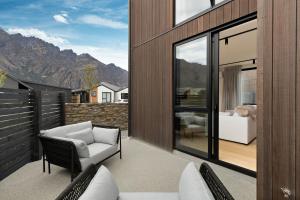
240, 47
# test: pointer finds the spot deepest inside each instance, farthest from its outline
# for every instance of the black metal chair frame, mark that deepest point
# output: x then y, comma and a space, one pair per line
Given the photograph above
64, 154
79, 185
215, 185
77, 188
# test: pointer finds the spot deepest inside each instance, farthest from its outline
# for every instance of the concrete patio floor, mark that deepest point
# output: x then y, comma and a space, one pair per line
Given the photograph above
144, 168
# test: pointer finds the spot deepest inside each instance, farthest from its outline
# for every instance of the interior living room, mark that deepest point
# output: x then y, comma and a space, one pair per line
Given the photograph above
237, 95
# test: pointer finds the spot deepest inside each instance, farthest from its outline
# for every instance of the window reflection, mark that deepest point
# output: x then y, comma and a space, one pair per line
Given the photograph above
188, 8
191, 66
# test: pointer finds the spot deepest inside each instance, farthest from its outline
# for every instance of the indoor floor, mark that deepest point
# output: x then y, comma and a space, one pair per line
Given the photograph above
242, 155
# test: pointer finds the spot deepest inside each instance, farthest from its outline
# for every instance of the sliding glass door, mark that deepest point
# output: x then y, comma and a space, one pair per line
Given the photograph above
192, 105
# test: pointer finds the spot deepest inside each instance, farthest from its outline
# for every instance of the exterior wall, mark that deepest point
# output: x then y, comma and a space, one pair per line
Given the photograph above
278, 141
118, 95
94, 99
102, 114
105, 89
151, 67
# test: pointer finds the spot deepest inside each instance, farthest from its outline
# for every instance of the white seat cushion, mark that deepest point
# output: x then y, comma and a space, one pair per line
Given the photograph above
105, 135
85, 135
62, 131
102, 186
98, 152
148, 196
81, 146
192, 185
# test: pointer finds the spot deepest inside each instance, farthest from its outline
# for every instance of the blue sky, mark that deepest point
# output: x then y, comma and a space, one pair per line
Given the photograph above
97, 27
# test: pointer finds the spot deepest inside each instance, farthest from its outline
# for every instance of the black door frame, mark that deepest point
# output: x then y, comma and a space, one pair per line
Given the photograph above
213, 130
206, 110
215, 82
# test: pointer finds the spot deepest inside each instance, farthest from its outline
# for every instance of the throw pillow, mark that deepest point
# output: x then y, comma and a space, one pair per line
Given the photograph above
105, 135
85, 135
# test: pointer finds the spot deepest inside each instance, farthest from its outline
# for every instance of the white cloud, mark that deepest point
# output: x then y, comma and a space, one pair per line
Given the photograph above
114, 54
100, 21
33, 32
61, 18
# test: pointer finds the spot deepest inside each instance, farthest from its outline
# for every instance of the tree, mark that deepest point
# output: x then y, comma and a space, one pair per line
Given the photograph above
89, 77
3, 78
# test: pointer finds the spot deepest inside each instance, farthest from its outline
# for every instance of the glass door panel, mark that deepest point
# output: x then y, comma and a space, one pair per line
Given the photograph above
191, 104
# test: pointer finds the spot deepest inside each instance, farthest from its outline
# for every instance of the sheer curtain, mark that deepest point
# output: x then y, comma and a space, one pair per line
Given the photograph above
231, 87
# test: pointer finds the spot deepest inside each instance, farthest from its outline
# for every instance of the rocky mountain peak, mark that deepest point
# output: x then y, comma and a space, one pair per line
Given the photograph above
30, 58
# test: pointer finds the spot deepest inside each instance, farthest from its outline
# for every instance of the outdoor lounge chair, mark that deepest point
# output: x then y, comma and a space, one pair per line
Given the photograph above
93, 184
77, 146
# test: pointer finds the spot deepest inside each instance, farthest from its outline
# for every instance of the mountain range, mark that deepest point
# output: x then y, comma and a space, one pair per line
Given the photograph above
32, 59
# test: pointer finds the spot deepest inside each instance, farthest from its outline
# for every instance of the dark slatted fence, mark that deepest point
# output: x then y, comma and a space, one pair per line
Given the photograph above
52, 110
16, 130
23, 114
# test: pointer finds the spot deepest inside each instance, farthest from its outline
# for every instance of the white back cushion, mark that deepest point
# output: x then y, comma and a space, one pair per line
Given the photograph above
62, 131
85, 135
81, 147
105, 135
192, 186
102, 186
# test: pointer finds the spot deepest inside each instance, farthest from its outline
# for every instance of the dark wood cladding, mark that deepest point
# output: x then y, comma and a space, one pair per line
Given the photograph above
284, 70
297, 193
151, 70
278, 154
264, 100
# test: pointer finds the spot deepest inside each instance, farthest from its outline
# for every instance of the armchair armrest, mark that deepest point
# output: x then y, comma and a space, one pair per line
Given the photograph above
214, 183
60, 152
77, 188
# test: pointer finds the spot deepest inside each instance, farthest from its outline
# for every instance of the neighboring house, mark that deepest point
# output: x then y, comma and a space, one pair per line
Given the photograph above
12, 82
103, 93
109, 93
80, 96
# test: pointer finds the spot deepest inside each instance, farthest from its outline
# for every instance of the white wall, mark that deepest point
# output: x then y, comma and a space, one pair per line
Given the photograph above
118, 94
105, 89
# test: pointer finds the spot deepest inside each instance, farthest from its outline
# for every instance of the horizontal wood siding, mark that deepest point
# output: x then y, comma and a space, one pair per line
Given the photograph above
151, 69
16, 130
23, 114
52, 110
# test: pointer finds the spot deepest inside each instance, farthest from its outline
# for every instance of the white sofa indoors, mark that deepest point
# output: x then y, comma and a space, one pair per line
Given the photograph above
192, 186
236, 128
76, 146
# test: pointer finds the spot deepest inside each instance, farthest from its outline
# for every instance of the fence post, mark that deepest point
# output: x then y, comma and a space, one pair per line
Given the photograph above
62, 108
37, 120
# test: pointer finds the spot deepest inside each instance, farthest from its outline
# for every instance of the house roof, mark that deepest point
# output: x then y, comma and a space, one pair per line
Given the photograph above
28, 84
19, 81
112, 87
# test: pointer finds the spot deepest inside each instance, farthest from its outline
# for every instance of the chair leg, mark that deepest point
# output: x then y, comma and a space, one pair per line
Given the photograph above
44, 164
72, 177
49, 170
120, 154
